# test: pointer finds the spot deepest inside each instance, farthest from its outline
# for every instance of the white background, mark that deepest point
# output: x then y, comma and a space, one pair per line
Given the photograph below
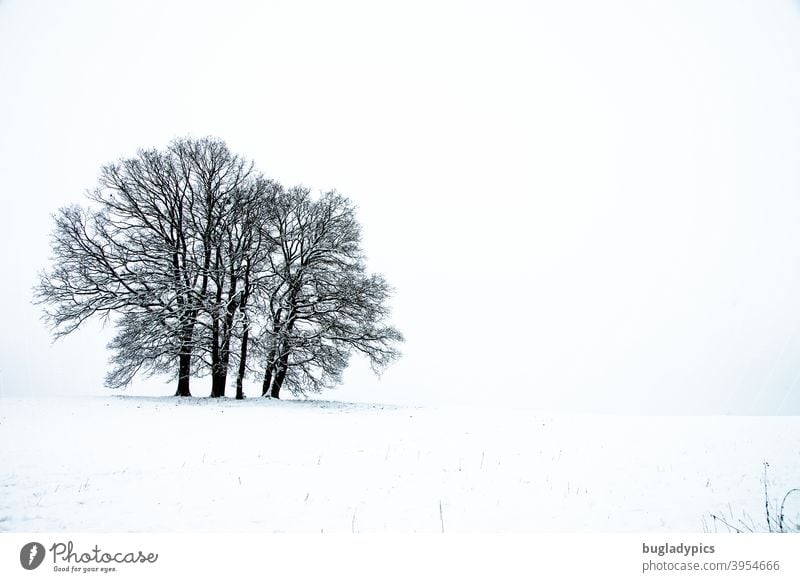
406, 557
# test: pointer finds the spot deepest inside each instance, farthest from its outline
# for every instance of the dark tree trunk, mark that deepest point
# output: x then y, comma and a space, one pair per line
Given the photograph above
270, 369
185, 361
225, 349
242, 364
220, 360
283, 361
217, 376
245, 333
280, 376
184, 371
218, 381
265, 387
222, 353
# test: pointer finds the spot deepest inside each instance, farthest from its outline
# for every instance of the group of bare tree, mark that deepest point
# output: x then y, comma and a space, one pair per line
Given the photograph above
202, 264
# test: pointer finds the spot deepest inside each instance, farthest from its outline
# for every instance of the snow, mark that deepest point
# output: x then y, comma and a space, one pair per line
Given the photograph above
126, 463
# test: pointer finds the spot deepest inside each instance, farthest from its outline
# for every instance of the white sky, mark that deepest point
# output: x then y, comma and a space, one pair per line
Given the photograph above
583, 206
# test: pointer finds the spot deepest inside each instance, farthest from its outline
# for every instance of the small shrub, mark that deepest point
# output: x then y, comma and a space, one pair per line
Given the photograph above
781, 515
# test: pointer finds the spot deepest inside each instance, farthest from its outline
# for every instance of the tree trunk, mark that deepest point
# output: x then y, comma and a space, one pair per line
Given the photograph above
245, 333
220, 374
222, 352
225, 352
280, 376
184, 371
220, 359
218, 381
270, 368
217, 377
283, 362
265, 387
275, 390
242, 364
185, 361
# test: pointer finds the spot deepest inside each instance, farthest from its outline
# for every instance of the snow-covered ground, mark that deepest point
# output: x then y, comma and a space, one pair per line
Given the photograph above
163, 464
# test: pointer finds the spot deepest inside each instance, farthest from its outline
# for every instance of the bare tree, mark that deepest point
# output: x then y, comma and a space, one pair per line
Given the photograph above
220, 182
189, 250
145, 253
242, 259
129, 256
323, 305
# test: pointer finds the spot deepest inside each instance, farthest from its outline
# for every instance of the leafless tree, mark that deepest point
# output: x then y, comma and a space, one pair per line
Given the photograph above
241, 270
144, 252
323, 304
190, 250
220, 183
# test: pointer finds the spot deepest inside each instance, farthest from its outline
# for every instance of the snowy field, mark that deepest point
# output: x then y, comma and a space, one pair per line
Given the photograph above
162, 464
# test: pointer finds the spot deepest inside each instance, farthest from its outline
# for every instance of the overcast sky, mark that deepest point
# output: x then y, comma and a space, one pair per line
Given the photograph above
583, 206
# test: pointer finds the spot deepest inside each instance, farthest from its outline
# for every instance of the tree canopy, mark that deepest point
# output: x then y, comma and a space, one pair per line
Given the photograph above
191, 253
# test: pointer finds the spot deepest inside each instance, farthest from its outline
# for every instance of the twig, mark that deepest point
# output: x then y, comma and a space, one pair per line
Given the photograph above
783, 504
716, 517
766, 497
